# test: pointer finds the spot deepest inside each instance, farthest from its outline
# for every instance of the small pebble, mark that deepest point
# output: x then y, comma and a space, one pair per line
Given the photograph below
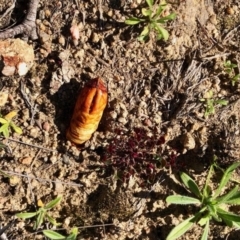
3, 98
59, 188
53, 159
47, 13
95, 37
230, 10
61, 40
46, 126
14, 180
26, 160
34, 133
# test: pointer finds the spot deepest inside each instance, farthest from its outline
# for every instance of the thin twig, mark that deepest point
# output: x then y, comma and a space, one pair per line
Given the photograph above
31, 145
30, 187
41, 179
39, 151
210, 38
32, 107
229, 33
215, 56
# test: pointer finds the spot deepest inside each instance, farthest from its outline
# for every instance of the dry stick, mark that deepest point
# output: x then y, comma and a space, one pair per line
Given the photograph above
41, 179
219, 46
31, 145
82, 227
39, 151
27, 27
32, 107
228, 35
30, 187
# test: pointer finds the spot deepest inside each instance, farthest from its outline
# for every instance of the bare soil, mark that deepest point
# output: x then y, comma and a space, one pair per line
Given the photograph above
152, 85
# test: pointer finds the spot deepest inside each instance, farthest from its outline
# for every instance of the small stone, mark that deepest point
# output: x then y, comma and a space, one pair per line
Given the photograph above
42, 27
59, 188
189, 142
110, 13
3, 98
79, 53
53, 159
26, 160
14, 180
66, 222
61, 40
230, 11
8, 70
46, 126
47, 13
122, 120
95, 37
34, 132
113, 115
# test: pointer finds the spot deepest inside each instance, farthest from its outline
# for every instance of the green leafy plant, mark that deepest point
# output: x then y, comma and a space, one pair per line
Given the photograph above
56, 236
212, 205
229, 68
210, 103
151, 18
41, 214
7, 123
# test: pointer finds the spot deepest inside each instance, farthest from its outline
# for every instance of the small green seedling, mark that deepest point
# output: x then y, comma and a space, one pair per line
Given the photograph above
210, 103
229, 68
7, 123
151, 17
56, 236
211, 204
41, 213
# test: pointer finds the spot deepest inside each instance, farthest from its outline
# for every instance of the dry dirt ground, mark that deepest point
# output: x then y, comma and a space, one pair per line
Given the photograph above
156, 86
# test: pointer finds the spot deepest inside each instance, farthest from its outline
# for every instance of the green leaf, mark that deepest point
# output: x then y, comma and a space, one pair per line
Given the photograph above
39, 220
146, 12
190, 184
228, 215
144, 34
16, 128
26, 215
222, 102
3, 121
206, 231
4, 129
149, 3
53, 203
225, 198
133, 21
207, 191
6, 132
212, 209
236, 224
53, 235
51, 220
160, 10
183, 227
226, 176
162, 32
179, 199
204, 219
73, 235
234, 200
236, 77
171, 16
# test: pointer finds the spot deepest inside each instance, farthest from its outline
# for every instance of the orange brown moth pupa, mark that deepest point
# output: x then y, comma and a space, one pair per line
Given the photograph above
88, 111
